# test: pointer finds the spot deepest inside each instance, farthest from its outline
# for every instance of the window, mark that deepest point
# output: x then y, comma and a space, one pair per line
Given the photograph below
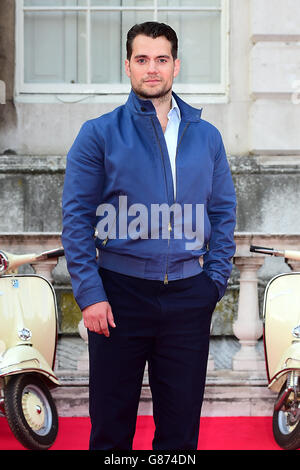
78, 46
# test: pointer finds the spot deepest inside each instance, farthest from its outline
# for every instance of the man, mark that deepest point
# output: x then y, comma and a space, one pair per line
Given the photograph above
147, 298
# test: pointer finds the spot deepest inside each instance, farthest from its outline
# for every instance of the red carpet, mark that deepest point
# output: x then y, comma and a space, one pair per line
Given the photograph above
230, 433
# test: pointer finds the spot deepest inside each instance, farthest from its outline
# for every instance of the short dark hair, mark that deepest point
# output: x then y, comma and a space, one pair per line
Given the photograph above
152, 29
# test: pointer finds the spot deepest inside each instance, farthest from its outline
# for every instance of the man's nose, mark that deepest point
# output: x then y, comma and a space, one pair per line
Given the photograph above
152, 67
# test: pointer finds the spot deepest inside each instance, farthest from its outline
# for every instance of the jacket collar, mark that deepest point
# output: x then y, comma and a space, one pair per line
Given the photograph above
145, 107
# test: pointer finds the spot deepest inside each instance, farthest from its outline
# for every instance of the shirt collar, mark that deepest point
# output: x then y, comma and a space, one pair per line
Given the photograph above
174, 108
146, 108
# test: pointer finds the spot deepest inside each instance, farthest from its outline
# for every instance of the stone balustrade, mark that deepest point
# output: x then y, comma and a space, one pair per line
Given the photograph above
247, 327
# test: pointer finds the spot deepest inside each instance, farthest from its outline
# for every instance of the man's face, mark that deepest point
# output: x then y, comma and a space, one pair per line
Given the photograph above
151, 68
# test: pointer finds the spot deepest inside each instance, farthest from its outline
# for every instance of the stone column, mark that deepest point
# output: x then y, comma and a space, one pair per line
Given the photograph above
83, 361
45, 268
248, 327
210, 363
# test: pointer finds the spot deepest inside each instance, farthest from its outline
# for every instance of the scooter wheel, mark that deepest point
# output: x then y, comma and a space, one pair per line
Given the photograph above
286, 428
30, 411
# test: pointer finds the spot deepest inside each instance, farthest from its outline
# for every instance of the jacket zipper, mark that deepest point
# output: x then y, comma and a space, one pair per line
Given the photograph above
162, 157
175, 198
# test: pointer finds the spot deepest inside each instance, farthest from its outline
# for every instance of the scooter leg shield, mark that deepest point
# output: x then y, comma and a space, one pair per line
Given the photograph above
25, 358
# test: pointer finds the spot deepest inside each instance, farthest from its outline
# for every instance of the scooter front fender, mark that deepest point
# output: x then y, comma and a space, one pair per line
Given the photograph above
25, 358
290, 360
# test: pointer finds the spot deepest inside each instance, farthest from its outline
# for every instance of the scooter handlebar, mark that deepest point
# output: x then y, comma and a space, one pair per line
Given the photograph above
10, 262
262, 249
292, 254
56, 253
288, 254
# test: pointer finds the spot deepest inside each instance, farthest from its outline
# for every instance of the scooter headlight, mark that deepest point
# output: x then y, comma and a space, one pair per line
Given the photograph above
3, 262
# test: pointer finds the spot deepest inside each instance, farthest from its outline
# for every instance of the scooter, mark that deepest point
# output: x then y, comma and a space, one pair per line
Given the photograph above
28, 339
281, 336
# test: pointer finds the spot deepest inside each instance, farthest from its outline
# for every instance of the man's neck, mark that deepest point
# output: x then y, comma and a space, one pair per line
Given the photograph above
163, 105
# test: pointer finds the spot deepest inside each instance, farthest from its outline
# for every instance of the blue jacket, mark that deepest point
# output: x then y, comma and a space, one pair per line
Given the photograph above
122, 156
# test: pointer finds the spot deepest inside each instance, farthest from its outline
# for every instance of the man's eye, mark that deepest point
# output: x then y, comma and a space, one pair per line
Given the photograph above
141, 61
162, 60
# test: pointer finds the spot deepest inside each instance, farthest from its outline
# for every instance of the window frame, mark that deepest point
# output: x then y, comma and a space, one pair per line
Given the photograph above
205, 89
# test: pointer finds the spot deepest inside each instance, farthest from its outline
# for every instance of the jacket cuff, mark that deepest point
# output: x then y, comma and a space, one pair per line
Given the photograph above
90, 296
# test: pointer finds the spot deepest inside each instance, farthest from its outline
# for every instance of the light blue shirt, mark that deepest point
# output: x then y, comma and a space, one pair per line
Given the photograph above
171, 136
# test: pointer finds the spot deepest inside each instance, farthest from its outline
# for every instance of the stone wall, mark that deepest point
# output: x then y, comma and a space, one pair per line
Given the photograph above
267, 189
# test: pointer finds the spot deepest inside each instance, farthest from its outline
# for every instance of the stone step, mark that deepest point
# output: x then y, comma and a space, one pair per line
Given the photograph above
227, 394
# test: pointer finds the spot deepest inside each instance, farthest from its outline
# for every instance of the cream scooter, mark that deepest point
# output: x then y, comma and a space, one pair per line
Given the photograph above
281, 333
28, 339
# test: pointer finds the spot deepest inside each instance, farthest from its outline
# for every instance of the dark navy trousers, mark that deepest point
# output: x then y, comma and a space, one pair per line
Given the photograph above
167, 326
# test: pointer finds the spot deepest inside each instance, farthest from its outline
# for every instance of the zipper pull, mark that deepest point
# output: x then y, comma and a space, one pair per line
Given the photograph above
170, 226
166, 279
105, 241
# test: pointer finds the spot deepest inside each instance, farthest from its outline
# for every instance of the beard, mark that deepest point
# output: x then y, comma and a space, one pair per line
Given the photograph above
148, 94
